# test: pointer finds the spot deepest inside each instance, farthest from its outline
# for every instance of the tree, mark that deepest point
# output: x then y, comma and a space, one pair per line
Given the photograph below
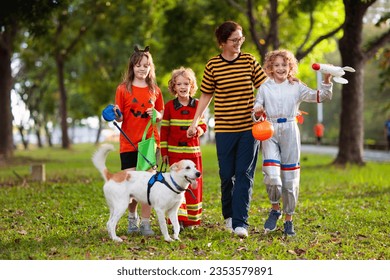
266, 33
91, 70
6, 49
354, 54
194, 43
101, 62
35, 84
14, 17
70, 26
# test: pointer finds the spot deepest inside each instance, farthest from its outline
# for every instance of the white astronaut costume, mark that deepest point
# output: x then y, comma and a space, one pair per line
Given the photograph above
281, 153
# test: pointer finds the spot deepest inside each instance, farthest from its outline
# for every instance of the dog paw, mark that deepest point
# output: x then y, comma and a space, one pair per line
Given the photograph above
176, 236
168, 239
117, 239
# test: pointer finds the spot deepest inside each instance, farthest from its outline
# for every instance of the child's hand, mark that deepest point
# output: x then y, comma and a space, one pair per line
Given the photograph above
149, 111
258, 111
165, 160
191, 131
291, 79
327, 78
117, 117
200, 131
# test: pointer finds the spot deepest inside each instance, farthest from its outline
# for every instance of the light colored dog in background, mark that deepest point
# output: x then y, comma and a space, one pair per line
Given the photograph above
120, 188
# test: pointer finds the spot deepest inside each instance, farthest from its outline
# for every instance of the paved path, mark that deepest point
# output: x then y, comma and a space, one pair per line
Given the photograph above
369, 155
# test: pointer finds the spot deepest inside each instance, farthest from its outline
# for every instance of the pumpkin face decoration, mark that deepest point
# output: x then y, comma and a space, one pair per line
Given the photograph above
262, 130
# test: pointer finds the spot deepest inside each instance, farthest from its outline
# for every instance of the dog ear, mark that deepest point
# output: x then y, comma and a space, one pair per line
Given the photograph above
174, 167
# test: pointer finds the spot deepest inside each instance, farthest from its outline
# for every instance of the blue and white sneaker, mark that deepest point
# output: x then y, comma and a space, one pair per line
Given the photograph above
289, 228
146, 229
270, 223
133, 225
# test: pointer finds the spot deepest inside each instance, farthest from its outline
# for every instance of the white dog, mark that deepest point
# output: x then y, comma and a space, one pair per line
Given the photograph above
165, 194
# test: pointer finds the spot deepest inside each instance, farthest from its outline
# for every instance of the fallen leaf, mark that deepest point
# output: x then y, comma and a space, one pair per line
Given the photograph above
361, 237
300, 251
241, 248
22, 232
336, 240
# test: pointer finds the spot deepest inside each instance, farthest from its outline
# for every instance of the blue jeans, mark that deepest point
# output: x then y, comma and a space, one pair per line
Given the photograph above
237, 158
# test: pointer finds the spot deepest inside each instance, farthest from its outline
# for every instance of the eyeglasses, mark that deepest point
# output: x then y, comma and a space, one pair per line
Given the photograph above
237, 40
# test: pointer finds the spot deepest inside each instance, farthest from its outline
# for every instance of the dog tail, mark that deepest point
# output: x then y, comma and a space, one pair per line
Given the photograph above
99, 158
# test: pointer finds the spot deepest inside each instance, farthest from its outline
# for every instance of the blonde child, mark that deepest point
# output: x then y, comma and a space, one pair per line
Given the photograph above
175, 145
279, 100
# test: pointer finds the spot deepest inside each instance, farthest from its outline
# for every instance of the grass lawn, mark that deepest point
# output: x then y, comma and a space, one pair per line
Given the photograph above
342, 214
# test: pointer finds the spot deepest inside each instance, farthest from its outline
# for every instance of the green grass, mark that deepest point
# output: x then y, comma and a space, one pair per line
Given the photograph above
342, 214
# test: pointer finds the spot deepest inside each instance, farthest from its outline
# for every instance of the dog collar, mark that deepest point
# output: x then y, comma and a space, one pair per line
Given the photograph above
180, 189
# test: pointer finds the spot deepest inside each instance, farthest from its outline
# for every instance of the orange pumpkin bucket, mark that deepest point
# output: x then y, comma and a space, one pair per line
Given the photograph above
262, 130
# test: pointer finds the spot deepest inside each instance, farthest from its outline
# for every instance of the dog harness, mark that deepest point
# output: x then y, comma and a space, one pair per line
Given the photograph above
158, 177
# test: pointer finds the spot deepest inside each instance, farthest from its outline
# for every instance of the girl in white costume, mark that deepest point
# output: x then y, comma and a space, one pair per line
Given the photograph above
279, 100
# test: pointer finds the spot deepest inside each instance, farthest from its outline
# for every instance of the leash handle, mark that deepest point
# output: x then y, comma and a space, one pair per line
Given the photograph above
163, 164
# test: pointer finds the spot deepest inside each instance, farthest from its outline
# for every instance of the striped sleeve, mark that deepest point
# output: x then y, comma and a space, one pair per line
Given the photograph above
232, 83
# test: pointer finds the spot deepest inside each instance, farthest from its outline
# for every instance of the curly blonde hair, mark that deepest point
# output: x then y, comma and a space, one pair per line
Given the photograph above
186, 73
287, 56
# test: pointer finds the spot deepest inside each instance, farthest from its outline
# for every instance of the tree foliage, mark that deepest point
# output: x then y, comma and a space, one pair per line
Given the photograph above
74, 52
14, 18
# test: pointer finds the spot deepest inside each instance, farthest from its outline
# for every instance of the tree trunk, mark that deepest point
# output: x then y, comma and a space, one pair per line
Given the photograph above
48, 135
351, 119
63, 103
99, 132
273, 35
24, 139
38, 135
6, 81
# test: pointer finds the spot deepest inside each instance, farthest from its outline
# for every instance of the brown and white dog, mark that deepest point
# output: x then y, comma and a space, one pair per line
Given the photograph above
165, 195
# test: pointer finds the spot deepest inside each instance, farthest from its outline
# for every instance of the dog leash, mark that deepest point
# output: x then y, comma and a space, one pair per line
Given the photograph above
109, 115
158, 177
128, 139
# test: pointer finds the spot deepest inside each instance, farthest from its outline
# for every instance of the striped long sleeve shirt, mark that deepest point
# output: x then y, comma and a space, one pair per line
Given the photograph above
233, 84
